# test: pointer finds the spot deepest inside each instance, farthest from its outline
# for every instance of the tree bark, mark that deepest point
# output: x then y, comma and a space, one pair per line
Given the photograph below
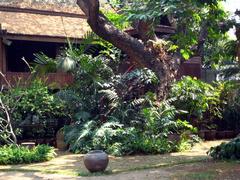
145, 53
238, 37
201, 39
145, 30
238, 43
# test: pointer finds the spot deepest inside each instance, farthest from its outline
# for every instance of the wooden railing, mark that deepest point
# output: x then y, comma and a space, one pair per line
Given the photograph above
56, 80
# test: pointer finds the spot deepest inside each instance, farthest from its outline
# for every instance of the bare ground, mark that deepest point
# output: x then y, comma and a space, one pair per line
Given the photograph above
194, 164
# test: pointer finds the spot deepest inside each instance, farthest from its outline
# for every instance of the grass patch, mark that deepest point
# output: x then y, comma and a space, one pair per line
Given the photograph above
199, 176
62, 172
105, 173
87, 174
146, 167
50, 169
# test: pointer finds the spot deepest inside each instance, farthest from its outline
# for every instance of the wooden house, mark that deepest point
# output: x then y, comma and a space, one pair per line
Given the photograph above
26, 29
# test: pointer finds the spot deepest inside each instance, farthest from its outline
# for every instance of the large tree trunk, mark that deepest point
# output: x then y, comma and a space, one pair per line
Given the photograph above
238, 37
150, 54
238, 43
201, 39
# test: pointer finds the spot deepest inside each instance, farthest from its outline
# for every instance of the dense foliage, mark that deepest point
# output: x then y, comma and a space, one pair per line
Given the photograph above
209, 106
118, 112
33, 109
202, 101
231, 111
21, 155
230, 150
193, 19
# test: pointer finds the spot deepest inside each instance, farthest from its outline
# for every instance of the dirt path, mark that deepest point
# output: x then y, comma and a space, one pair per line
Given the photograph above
170, 166
202, 170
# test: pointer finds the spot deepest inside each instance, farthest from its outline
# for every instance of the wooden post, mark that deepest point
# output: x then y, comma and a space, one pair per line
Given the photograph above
3, 66
4, 62
1, 54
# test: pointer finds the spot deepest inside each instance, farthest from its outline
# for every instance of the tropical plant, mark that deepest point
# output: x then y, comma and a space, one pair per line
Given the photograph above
33, 105
160, 119
44, 64
199, 99
14, 154
79, 136
231, 115
229, 150
231, 68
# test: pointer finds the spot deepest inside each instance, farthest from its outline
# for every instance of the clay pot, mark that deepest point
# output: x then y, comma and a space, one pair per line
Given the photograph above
96, 161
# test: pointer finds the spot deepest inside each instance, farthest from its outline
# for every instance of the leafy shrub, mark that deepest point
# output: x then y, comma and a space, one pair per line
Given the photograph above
231, 112
110, 136
121, 139
115, 112
35, 100
230, 150
116, 140
150, 144
160, 119
33, 105
21, 155
199, 99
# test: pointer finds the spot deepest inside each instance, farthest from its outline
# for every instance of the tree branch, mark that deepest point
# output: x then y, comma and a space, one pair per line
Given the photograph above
145, 30
149, 54
105, 29
202, 38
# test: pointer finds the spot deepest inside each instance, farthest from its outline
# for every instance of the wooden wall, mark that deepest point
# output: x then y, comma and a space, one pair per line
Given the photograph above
192, 67
1, 55
58, 80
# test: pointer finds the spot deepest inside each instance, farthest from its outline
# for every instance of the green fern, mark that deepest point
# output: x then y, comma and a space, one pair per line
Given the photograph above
111, 96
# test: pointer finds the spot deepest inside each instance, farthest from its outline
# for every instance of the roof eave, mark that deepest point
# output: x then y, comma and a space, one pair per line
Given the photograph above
39, 38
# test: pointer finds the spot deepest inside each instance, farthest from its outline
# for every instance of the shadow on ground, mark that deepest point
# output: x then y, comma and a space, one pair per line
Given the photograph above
67, 165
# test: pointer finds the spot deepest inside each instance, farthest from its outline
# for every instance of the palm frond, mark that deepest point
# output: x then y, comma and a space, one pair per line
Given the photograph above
110, 95
230, 72
137, 102
231, 48
44, 64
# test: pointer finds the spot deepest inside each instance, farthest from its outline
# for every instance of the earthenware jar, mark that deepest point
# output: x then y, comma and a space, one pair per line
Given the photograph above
96, 161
